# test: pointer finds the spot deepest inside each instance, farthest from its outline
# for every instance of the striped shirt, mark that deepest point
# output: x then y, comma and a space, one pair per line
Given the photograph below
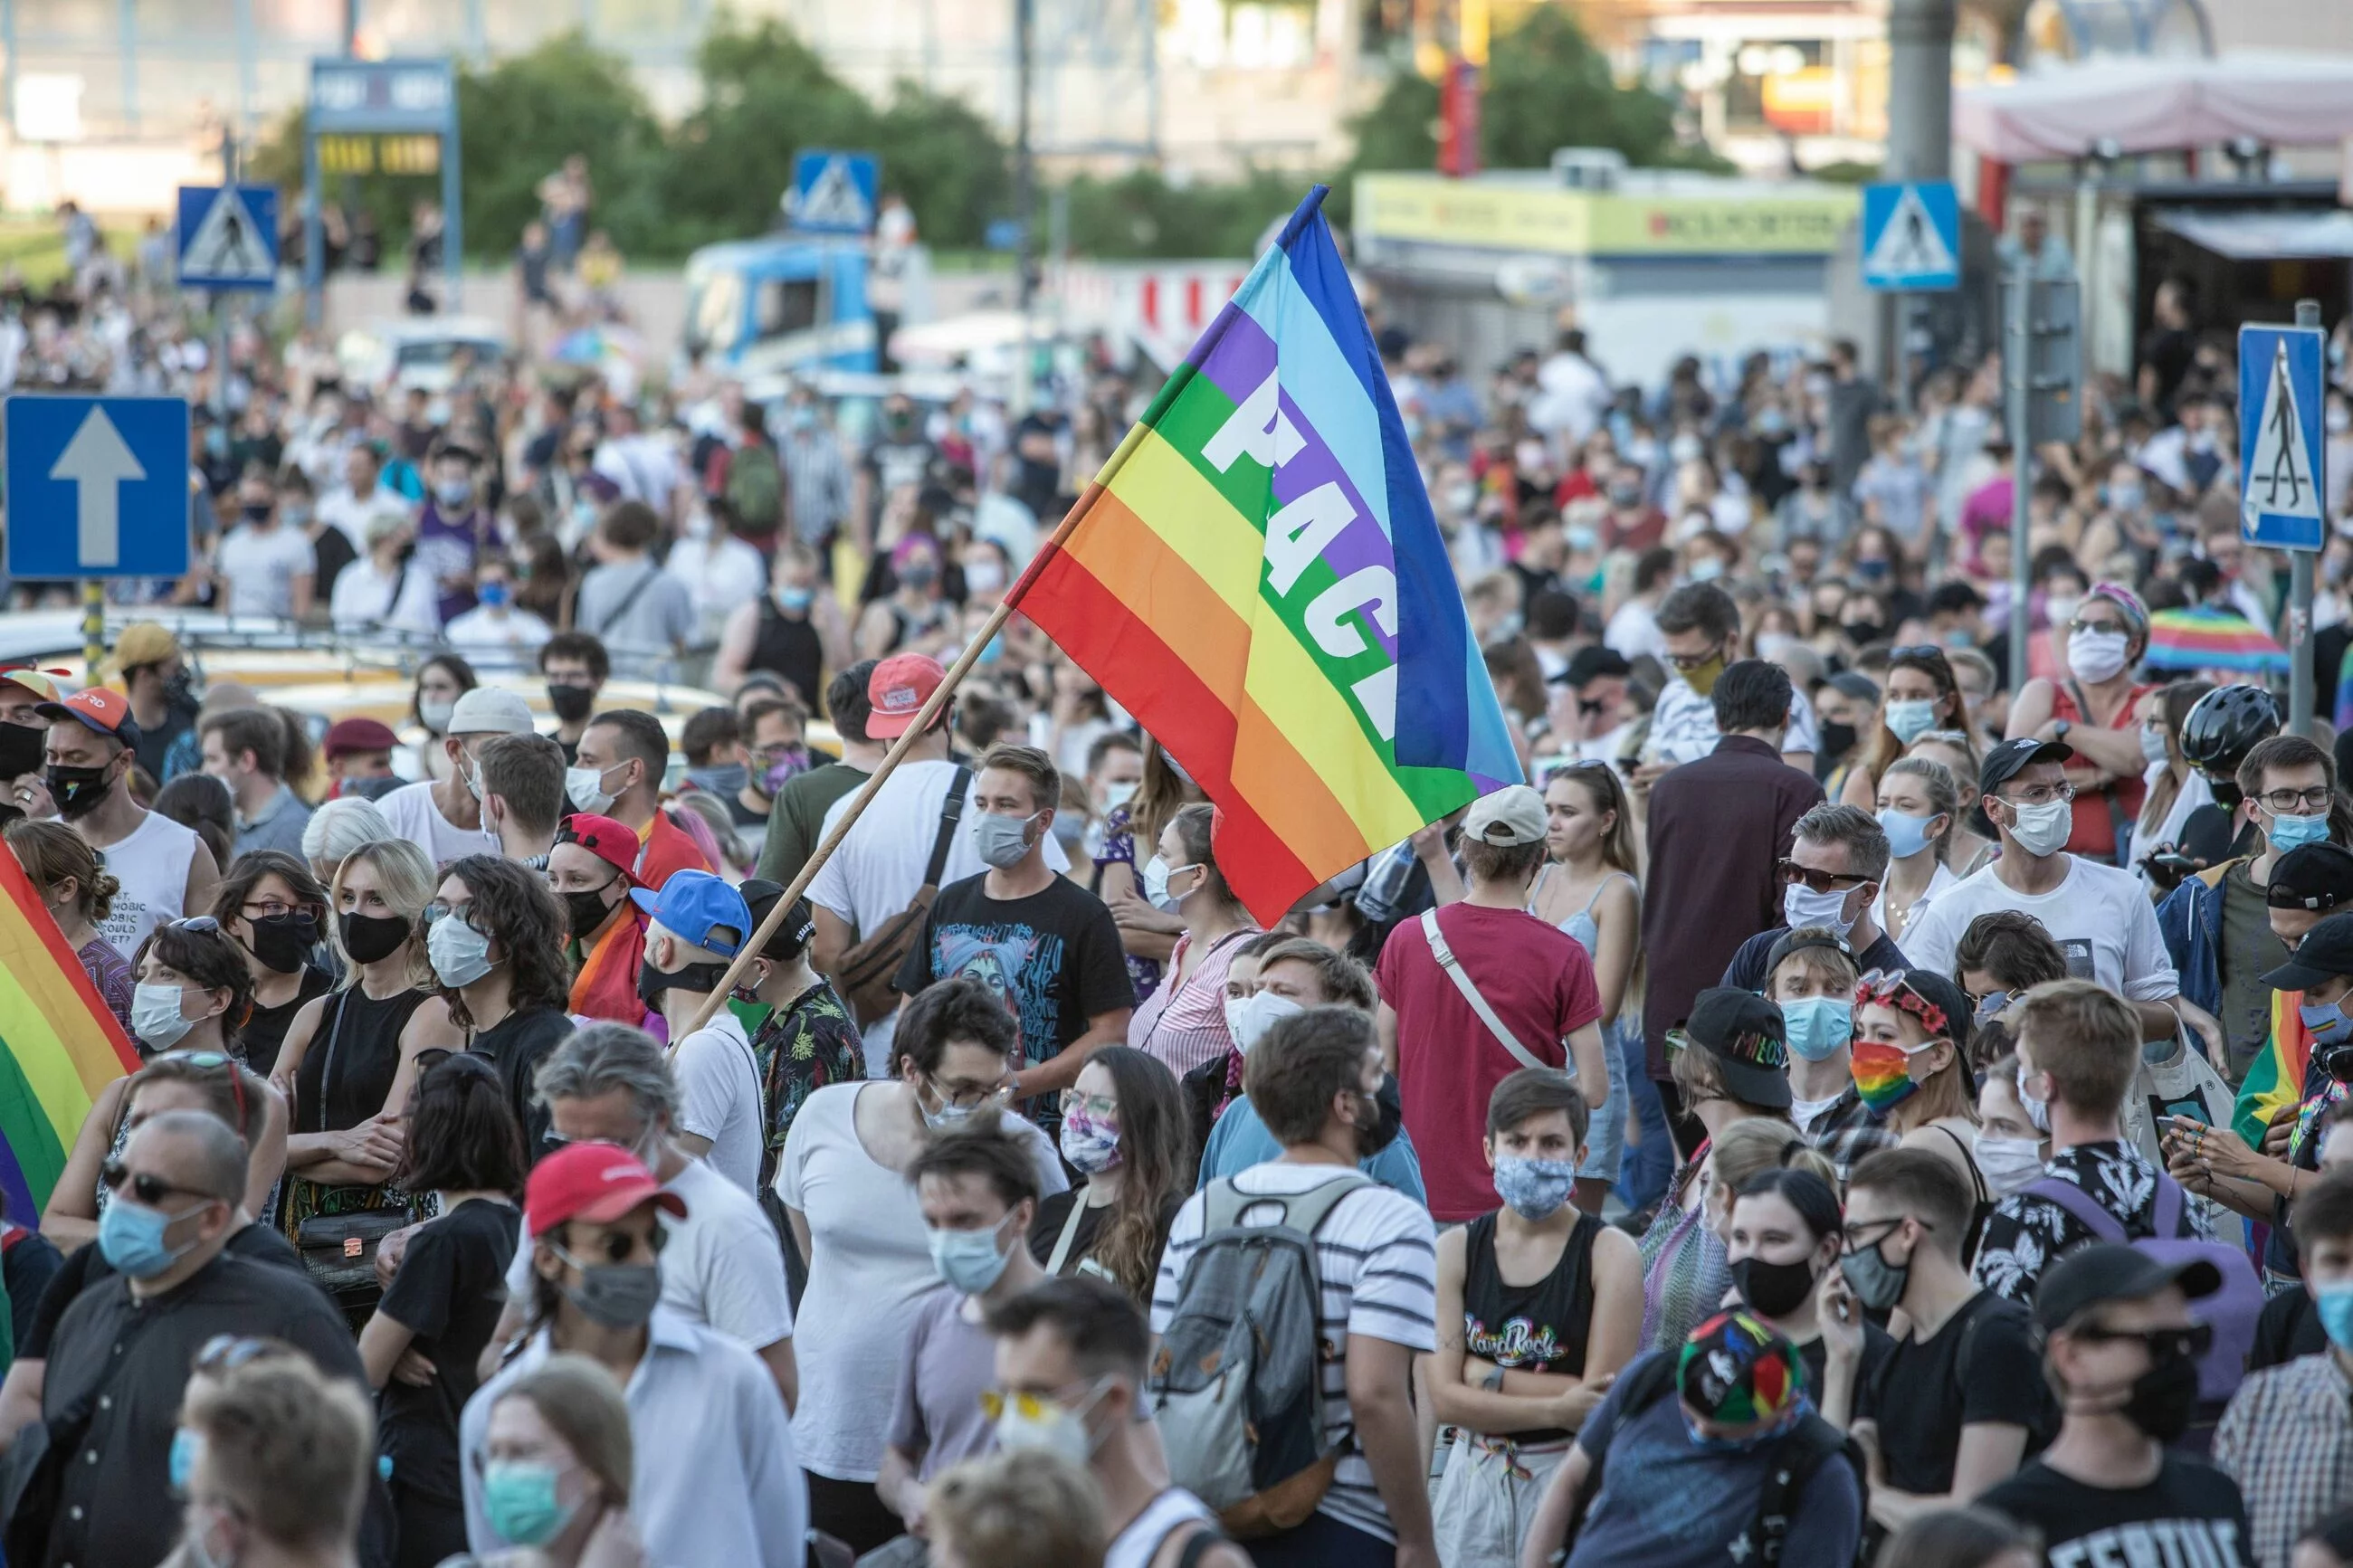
816, 479
1377, 1258
1184, 1026
2288, 1440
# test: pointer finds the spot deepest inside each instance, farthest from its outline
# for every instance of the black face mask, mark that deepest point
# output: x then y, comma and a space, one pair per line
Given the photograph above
2164, 1398
1862, 632
587, 909
283, 942
1389, 1118
1838, 740
1775, 1290
570, 704
77, 791
371, 939
652, 982
20, 749
2227, 792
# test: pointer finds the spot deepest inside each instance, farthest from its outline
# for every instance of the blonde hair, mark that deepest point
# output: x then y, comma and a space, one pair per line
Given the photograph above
1816, 962
1944, 793
407, 885
1025, 1509
1746, 1150
290, 1447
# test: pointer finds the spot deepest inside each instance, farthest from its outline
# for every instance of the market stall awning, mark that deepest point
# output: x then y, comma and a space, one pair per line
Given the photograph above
2159, 105
2264, 236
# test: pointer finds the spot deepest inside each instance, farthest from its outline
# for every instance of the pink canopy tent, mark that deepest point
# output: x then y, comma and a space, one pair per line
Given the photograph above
2159, 105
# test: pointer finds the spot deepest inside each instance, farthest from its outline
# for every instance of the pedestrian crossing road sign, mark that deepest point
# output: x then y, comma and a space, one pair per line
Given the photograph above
2280, 447
1911, 236
835, 192
228, 236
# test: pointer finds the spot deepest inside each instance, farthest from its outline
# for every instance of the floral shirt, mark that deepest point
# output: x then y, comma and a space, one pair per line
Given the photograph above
1118, 849
806, 1045
2026, 1233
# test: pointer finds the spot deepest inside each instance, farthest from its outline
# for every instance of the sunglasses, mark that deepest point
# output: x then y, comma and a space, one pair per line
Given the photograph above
146, 1186
226, 1352
2162, 1345
619, 1247
1819, 881
1892, 988
196, 923
468, 1062
1928, 652
213, 1061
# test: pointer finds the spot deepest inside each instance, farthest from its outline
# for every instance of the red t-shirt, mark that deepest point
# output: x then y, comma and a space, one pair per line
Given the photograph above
1540, 984
667, 849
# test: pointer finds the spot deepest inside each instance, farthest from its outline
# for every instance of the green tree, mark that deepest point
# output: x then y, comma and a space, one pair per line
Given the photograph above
1140, 214
765, 95
520, 120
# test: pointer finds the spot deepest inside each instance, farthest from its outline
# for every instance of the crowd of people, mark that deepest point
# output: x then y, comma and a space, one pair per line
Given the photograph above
1860, 1102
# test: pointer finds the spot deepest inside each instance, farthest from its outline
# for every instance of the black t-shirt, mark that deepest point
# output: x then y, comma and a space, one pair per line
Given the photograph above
1046, 1230
743, 816
264, 1033
448, 1292
2288, 1328
28, 1260
519, 1043
86, 1267
1054, 957
1876, 1345
1980, 1366
2190, 1513
331, 552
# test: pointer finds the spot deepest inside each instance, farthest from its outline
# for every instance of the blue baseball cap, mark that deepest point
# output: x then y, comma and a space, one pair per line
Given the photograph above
699, 909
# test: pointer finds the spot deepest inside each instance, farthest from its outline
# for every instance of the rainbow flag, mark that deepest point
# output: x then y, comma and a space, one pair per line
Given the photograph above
2275, 1078
2207, 637
60, 1045
1257, 576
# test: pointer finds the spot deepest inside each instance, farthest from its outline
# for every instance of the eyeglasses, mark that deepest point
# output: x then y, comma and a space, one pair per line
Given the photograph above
268, 908
1819, 881
436, 911
996, 1402
2081, 624
2314, 799
1687, 662
147, 1187
1101, 1107
2037, 794
1852, 1237
2162, 1345
964, 1097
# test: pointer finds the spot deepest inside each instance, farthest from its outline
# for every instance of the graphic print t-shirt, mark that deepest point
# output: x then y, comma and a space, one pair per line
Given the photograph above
2190, 1514
1054, 957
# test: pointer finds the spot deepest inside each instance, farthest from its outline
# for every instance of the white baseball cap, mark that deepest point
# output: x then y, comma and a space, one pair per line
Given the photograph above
486, 710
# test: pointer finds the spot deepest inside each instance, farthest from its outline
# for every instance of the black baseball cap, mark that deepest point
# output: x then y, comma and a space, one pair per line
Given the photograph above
2327, 953
2111, 1271
2311, 877
1790, 942
1590, 664
792, 937
1746, 1035
2007, 761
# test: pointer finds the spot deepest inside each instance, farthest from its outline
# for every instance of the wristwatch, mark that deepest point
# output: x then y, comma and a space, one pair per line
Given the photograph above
2059, 728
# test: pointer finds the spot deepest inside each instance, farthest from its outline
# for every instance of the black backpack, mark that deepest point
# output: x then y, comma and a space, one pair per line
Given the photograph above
1797, 1455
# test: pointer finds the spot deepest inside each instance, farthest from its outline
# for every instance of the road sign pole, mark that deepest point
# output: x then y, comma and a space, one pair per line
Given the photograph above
2015, 348
2300, 563
93, 627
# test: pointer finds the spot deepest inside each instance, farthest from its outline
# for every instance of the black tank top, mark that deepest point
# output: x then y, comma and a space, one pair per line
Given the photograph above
349, 1068
1529, 1327
790, 649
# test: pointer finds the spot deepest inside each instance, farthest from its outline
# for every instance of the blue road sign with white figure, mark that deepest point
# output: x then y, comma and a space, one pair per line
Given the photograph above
835, 192
98, 487
228, 236
1911, 236
2281, 444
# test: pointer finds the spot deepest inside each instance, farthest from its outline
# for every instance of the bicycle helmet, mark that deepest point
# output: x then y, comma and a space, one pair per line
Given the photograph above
2227, 723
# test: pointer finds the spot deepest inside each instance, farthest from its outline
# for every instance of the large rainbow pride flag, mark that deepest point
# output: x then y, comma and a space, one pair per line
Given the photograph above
60, 1045
1257, 576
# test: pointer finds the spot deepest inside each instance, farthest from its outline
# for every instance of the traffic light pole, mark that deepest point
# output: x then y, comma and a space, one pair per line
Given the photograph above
2017, 350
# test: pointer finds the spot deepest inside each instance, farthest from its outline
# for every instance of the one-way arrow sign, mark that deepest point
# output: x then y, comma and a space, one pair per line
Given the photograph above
98, 487
95, 462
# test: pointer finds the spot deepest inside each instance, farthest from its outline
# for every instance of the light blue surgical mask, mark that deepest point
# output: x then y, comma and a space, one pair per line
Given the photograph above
1911, 717
970, 1260
1818, 1027
186, 1446
1801, 907
794, 601
2326, 1022
459, 955
2334, 1303
2290, 831
1534, 1189
520, 1499
1001, 841
131, 1237
155, 1014
2152, 747
1906, 835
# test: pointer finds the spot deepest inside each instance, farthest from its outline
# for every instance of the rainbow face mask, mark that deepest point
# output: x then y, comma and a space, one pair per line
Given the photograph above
1883, 1074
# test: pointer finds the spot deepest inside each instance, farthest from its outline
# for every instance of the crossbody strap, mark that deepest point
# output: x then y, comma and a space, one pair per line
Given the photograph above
951, 814
1069, 1238
2088, 1211
1463, 982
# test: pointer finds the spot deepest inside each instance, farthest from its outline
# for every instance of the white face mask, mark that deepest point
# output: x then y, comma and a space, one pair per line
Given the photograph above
2010, 1164
2097, 655
2042, 831
586, 788
1248, 1018
1802, 907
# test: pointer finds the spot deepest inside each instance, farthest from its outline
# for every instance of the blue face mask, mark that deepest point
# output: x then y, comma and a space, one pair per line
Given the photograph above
185, 1446
795, 600
130, 1239
1818, 1027
2292, 832
2326, 1022
1911, 717
1906, 835
520, 1500
970, 1260
1534, 1189
2334, 1305
494, 595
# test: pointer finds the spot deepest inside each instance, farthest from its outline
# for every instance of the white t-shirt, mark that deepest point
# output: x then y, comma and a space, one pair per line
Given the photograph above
261, 564
364, 600
2100, 917
722, 1266
869, 1260
153, 866
1939, 880
1633, 631
719, 1097
415, 817
500, 640
1682, 726
2195, 791
1377, 1258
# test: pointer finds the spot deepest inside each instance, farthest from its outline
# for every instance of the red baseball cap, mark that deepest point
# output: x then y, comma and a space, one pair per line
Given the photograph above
613, 842
595, 1182
361, 734
898, 688
101, 707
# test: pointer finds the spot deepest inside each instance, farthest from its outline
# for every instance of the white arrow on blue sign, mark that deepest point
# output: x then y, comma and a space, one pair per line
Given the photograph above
117, 467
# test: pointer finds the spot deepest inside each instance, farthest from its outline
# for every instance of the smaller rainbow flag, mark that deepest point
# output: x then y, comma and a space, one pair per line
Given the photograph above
2206, 638
60, 1045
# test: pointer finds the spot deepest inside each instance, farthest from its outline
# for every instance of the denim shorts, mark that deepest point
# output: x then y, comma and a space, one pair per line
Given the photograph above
1605, 1131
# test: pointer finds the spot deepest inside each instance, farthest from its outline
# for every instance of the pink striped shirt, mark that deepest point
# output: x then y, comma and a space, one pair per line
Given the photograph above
1186, 1026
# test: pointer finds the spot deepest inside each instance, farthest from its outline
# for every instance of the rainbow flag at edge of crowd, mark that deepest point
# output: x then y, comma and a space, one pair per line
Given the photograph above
60, 1045
1257, 576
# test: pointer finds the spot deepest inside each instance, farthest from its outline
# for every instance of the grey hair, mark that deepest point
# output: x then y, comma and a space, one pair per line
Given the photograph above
601, 1058
1865, 840
341, 826
220, 1153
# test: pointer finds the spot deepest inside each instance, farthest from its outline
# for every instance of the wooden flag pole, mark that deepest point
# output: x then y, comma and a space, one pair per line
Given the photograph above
914, 731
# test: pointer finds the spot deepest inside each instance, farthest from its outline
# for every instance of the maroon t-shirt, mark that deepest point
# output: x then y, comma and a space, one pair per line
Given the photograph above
1540, 984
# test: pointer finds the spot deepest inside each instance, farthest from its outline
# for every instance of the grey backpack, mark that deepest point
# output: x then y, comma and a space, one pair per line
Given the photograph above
1238, 1386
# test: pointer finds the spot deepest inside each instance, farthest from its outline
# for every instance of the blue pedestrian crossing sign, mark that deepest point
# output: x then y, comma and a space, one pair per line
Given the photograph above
98, 487
2281, 446
834, 193
228, 236
1911, 236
